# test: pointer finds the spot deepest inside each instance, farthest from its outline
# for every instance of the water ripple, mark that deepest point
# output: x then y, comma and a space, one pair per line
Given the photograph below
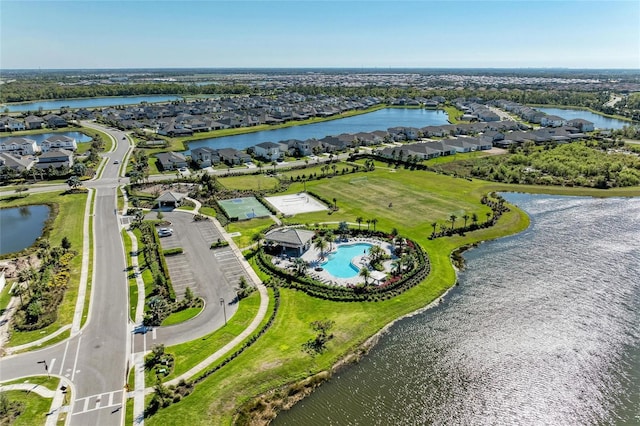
543, 330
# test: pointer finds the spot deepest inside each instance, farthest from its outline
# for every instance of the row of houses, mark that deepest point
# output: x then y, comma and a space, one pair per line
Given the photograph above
187, 118
55, 158
33, 122
27, 146
276, 151
533, 115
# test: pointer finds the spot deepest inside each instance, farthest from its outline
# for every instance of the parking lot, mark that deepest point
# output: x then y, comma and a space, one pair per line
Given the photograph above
208, 272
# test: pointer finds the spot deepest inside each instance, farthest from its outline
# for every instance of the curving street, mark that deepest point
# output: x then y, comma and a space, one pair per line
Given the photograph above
95, 360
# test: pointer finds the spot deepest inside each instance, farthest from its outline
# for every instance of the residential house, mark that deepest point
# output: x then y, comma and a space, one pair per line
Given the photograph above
32, 122
171, 160
582, 125
268, 150
56, 159
54, 121
552, 121
205, 156
16, 162
10, 124
59, 141
232, 156
19, 146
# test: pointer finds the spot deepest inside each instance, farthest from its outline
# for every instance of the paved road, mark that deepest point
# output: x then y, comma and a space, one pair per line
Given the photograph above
95, 359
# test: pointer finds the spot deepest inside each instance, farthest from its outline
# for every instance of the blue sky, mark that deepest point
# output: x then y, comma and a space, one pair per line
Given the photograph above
383, 34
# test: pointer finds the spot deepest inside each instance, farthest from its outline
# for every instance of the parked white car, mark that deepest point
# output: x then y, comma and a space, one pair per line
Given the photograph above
165, 232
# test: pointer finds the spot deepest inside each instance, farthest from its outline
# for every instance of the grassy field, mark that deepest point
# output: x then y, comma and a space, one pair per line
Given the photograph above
34, 410
5, 297
249, 182
247, 229
133, 286
277, 358
189, 354
69, 223
454, 114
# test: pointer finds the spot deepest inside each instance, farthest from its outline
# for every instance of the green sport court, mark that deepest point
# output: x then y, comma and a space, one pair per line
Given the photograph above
244, 208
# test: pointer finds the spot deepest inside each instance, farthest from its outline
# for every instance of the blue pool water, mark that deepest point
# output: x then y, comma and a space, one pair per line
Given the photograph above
339, 262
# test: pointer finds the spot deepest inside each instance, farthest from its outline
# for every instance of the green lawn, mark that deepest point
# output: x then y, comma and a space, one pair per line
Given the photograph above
260, 181
69, 223
5, 296
181, 316
277, 357
454, 114
189, 354
35, 409
133, 286
247, 229
209, 211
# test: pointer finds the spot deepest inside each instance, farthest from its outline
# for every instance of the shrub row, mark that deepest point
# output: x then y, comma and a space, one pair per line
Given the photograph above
349, 294
172, 251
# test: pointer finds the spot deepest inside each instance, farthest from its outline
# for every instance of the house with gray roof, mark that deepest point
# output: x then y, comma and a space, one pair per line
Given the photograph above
269, 151
56, 159
171, 160
298, 240
205, 156
59, 141
20, 146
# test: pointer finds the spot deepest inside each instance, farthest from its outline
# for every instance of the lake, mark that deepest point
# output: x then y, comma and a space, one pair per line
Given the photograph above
598, 120
377, 120
39, 138
21, 226
88, 102
542, 330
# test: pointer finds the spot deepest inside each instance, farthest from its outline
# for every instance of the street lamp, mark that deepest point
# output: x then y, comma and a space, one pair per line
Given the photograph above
46, 367
224, 309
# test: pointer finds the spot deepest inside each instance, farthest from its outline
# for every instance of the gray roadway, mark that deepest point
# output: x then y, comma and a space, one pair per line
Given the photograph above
96, 359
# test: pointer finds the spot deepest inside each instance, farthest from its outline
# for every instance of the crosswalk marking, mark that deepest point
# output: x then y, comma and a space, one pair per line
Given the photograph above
97, 402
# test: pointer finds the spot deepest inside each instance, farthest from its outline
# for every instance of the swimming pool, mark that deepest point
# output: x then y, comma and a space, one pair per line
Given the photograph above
339, 263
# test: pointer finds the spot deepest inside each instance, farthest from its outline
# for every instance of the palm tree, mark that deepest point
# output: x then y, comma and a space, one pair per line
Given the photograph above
368, 223
453, 218
474, 218
396, 266
19, 290
359, 221
365, 273
300, 265
374, 221
434, 224
466, 218
320, 244
328, 237
335, 203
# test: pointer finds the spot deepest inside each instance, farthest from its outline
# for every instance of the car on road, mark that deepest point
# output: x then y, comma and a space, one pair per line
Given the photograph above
116, 162
165, 232
182, 169
141, 329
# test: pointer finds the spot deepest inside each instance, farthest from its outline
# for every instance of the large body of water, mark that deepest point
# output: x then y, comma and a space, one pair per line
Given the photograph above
79, 136
377, 120
21, 226
599, 121
544, 329
88, 102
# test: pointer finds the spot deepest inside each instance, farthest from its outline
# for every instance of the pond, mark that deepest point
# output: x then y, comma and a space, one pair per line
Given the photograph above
377, 120
599, 121
88, 102
21, 226
39, 138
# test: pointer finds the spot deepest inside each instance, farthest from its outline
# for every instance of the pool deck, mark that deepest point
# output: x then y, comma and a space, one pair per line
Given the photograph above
312, 257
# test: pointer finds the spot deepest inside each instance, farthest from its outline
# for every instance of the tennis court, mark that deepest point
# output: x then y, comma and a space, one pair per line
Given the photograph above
296, 203
244, 208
